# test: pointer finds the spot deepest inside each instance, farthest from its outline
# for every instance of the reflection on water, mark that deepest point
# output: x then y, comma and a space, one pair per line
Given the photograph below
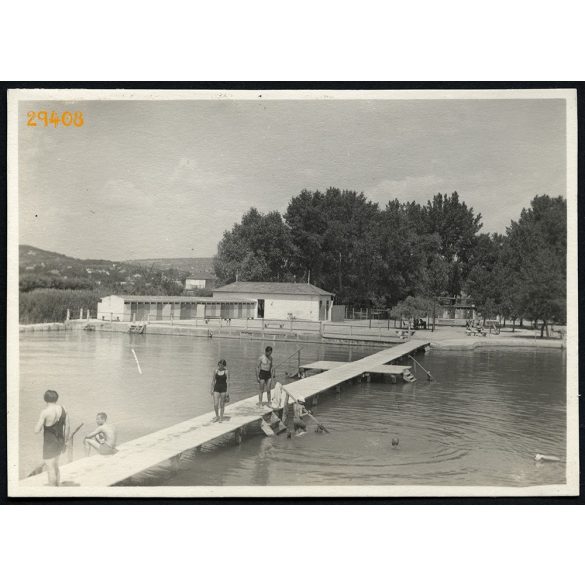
480, 423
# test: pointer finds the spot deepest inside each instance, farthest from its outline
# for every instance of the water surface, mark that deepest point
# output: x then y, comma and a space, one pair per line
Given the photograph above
480, 423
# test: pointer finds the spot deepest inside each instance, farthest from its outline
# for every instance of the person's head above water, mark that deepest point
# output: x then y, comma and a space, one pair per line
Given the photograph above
101, 418
268, 350
51, 396
221, 364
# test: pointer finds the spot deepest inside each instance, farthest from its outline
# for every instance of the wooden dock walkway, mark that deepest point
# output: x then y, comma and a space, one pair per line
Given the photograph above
323, 366
140, 454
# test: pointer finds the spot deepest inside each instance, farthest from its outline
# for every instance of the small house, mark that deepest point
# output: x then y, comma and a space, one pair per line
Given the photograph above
200, 280
282, 300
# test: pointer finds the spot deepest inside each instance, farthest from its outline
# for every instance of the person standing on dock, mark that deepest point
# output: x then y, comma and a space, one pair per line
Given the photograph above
219, 389
54, 423
264, 374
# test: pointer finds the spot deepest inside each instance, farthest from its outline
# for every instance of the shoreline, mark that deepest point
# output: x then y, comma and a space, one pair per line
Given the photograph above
445, 337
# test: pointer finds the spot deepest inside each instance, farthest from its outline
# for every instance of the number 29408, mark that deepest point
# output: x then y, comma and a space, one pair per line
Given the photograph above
44, 118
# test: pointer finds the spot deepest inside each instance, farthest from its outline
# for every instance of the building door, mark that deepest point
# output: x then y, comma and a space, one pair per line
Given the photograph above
260, 308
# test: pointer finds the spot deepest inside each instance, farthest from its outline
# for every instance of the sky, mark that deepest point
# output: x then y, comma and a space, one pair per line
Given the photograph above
154, 179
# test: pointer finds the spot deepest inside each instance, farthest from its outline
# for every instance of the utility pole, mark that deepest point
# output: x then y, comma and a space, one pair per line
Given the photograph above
434, 301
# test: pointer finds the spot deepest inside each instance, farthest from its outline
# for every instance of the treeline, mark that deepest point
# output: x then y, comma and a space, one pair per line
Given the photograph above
372, 256
50, 305
45, 299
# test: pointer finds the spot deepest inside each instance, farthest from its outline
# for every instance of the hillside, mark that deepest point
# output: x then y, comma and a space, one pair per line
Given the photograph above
44, 269
190, 265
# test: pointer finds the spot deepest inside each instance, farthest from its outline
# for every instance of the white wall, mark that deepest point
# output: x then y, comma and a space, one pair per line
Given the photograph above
192, 283
111, 306
278, 306
299, 308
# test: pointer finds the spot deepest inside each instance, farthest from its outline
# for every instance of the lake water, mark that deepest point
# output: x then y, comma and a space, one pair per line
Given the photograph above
481, 423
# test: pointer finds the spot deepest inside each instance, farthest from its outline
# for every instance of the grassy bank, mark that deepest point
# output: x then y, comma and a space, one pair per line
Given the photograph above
50, 305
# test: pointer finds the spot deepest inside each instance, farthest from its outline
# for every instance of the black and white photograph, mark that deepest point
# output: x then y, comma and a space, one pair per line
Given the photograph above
292, 293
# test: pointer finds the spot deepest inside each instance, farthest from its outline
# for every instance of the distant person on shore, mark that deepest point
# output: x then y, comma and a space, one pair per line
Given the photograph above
219, 389
103, 438
264, 374
54, 423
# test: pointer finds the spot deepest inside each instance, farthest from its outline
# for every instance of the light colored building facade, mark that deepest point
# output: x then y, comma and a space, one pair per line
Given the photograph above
281, 300
166, 308
200, 280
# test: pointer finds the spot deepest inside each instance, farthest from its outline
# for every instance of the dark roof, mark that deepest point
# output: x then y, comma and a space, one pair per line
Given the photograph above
260, 288
174, 299
202, 276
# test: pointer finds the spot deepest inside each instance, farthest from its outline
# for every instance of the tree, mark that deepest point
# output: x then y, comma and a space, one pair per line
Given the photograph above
457, 226
336, 240
535, 252
414, 308
258, 248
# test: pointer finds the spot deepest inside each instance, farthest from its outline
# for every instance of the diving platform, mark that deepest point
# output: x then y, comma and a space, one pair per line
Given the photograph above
167, 444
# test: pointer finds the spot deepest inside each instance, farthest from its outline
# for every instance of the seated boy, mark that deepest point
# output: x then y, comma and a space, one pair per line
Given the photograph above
103, 439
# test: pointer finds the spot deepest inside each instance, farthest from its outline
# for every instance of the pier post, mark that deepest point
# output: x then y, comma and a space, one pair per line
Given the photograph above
238, 435
68, 318
285, 409
338, 389
315, 400
81, 314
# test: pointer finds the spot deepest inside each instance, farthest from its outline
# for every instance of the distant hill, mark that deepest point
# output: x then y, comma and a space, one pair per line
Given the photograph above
44, 269
190, 265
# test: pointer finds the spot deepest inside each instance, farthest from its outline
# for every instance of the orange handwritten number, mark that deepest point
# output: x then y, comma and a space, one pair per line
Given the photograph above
31, 119
54, 119
78, 119
42, 116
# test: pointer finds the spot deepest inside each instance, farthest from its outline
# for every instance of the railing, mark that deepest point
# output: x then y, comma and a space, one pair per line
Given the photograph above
298, 366
379, 331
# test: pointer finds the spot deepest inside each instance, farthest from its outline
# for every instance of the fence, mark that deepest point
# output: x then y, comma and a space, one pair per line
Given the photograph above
376, 330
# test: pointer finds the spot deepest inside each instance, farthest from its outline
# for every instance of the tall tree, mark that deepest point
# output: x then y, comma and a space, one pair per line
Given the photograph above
258, 248
457, 226
336, 240
536, 250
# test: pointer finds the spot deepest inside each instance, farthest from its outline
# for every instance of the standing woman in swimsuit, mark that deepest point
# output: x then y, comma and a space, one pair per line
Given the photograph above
219, 389
54, 423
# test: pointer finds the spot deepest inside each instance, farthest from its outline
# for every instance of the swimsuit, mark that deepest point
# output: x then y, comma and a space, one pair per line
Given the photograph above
265, 374
299, 423
107, 450
220, 384
54, 437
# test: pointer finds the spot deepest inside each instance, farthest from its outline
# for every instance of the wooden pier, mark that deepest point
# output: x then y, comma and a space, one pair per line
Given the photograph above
167, 444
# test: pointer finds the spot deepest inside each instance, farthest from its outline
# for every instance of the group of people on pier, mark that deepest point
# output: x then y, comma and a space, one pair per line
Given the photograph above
54, 423
220, 382
54, 420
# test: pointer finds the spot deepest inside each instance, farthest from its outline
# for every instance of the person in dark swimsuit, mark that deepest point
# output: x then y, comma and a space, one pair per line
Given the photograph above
219, 389
54, 423
264, 374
